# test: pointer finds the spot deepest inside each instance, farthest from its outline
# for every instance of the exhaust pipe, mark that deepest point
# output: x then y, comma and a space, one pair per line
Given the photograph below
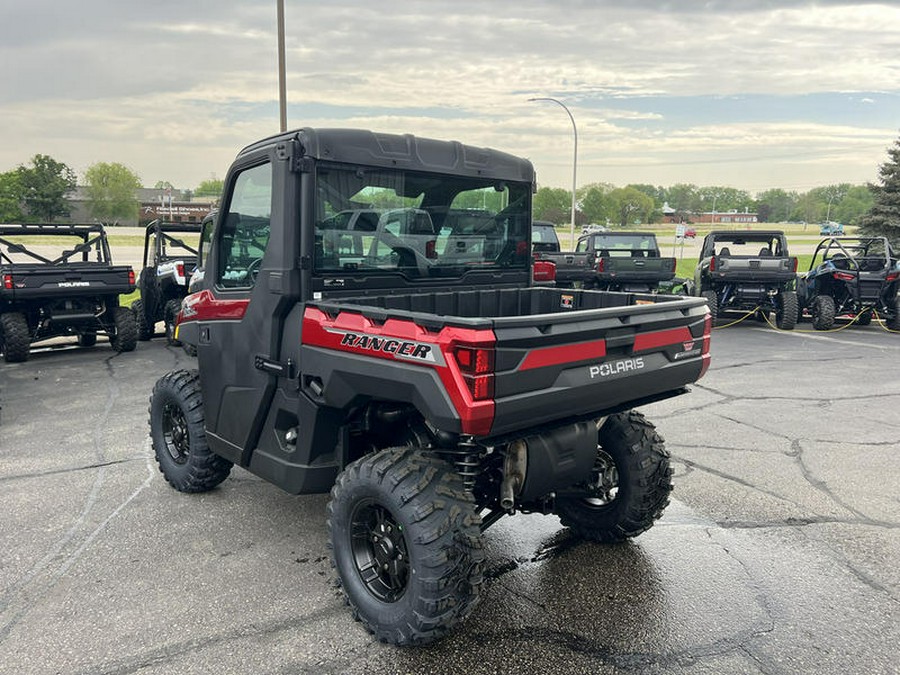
514, 467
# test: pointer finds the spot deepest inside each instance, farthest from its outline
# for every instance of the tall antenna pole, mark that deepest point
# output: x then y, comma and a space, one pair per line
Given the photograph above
282, 80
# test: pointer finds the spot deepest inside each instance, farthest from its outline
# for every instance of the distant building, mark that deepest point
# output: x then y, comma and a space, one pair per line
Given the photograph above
726, 217
171, 205
732, 217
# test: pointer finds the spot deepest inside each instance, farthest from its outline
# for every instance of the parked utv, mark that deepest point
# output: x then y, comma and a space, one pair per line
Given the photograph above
59, 280
429, 399
852, 276
746, 271
170, 255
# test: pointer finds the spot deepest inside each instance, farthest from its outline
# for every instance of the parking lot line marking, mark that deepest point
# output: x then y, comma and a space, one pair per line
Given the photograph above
851, 343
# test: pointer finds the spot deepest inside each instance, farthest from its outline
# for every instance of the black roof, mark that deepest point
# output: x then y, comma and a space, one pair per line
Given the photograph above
403, 151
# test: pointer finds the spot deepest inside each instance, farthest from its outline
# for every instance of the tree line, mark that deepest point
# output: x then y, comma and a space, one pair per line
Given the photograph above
38, 193
40, 190
641, 203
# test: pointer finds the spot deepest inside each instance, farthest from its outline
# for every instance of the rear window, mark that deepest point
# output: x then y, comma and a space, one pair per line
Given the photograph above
381, 222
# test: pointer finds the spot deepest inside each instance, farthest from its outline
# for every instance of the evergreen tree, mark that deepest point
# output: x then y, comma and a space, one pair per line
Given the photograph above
883, 219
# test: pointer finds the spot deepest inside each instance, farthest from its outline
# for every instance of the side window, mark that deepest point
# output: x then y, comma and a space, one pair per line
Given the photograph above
582, 246
245, 228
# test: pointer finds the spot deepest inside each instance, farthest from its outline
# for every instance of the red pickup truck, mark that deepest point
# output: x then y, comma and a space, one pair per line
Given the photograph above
416, 374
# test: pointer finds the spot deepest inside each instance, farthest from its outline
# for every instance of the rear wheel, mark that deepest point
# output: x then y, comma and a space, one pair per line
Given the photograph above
630, 483
170, 315
823, 312
144, 324
786, 310
15, 338
406, 543
125, 330
179, 435
712, 301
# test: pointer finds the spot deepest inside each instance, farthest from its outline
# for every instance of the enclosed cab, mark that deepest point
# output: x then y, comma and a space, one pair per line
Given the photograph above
409, 366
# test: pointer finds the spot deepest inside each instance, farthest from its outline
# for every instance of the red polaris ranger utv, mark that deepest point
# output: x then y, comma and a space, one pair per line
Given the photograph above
368, 326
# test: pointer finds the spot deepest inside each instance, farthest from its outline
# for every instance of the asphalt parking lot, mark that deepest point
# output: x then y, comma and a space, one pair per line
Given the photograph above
778, 553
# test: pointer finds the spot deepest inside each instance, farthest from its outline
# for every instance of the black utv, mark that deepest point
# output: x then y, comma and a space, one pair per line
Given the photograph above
170, 256
852, 276
747, 271
58, 280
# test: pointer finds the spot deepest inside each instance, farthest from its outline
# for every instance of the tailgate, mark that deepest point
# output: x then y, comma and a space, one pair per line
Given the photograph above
38, 281
754, 269
569, 266
581, 366
638, 269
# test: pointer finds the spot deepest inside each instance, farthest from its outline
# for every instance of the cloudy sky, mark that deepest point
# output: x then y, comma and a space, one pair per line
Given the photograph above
752, 94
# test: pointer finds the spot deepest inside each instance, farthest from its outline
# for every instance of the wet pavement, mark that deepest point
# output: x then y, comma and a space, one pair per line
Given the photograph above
778, 553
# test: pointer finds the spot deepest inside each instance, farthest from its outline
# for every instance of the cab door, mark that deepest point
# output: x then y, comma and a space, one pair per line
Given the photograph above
249, 275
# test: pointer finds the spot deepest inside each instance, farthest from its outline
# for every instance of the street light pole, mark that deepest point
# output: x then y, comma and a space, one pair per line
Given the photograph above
282, 80
574, 157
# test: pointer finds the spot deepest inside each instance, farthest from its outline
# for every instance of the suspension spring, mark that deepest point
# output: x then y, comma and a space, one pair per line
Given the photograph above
465, 457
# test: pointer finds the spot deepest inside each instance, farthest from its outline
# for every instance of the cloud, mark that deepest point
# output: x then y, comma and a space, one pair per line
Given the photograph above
175, 89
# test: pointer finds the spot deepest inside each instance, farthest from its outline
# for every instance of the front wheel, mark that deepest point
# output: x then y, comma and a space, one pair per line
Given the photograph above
87, 338
630, 483
179, 435
144, 324
124, 335
786, 310
170, 316
406, 544
864, 318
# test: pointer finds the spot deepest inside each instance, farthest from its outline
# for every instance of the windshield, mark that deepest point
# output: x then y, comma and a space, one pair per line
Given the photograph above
376, 221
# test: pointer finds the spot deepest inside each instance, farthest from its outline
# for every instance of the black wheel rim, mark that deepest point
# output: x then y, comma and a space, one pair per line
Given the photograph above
379, 551
604, 481
175, 433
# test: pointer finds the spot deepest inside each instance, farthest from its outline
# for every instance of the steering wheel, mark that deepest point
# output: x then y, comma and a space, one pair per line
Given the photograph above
253, 270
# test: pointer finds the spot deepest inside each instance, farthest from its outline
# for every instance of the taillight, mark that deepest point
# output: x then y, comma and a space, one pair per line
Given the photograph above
601, 264
7, 282
477, 367
430, 250
674, 265
131, 277
795, 263
544, 270
179, 269
712, 264
893, 276
843, 276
